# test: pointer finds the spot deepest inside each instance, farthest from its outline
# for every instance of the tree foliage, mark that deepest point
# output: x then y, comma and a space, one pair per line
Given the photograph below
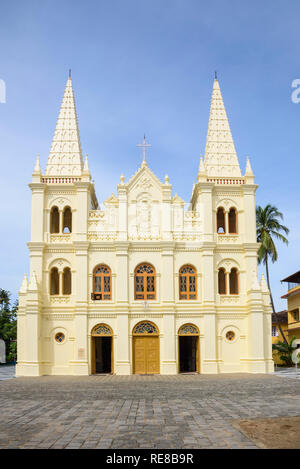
8, 324
268, 229
285, 351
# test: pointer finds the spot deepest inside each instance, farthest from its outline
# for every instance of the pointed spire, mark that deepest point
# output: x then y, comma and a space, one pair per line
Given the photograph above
24, 285
33, 282
220, 156
201, 172
249, 176
65, 157
263, 284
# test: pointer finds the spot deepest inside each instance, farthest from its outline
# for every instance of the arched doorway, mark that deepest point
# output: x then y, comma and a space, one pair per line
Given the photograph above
145, 348
102, 349
189, 353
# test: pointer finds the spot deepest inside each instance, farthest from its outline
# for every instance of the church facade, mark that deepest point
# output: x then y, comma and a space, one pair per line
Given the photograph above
143, 284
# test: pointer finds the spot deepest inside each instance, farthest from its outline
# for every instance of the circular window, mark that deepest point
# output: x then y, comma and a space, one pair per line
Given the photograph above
59, 337
230, 336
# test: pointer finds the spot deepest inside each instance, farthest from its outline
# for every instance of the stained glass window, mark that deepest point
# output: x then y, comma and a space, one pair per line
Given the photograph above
59, 337
187, 283
230, 335
101, 329
102, 283
188, 329
145, 328
145, 282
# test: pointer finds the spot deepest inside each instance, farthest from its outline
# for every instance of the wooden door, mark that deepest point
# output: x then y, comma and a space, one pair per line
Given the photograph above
146, 355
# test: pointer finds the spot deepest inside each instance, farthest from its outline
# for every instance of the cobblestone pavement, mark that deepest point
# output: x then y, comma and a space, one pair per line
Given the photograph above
183, 411
7, 372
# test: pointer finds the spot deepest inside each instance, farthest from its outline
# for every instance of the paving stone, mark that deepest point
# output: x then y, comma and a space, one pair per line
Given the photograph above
196, 411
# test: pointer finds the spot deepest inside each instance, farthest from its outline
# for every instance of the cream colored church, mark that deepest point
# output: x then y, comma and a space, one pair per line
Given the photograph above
143, 283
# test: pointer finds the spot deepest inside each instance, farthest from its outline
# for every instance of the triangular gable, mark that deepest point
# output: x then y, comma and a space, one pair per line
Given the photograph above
144, 181
177, 200
112, 200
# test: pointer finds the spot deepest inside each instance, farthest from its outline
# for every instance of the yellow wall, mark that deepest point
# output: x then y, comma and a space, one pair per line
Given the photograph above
293, 327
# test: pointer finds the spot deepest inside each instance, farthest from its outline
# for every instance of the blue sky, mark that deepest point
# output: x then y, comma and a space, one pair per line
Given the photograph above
141, 66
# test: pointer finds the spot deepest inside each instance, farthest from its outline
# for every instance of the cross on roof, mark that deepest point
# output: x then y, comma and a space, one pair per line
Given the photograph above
144, 147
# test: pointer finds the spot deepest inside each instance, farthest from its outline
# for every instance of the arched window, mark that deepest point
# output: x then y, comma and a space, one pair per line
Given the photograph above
233, 282
221, 220
232, 221
67, 281
67, 220
146, 327
187, 283
54, 281
145, 282
102, 283
222, 281
54, 220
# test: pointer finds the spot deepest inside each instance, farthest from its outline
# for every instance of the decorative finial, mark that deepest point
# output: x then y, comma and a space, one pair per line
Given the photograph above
37, 168
167, 180
249, 173
69, 73
24, 285
216, 77
33, 282
263, 284
144, 147
122, 179
201, 165
86, 164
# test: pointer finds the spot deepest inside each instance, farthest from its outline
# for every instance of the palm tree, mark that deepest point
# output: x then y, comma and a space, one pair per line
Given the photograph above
268, 228
285, 351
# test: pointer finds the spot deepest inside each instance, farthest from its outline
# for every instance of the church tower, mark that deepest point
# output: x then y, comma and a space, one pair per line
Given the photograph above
61, 200
227, 202
143, 284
